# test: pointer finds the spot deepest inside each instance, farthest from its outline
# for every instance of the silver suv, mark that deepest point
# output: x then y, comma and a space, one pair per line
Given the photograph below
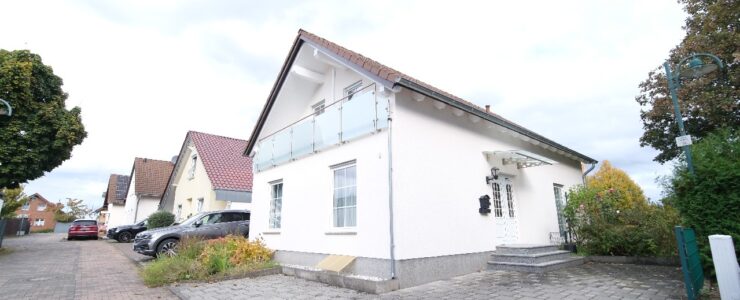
205, 225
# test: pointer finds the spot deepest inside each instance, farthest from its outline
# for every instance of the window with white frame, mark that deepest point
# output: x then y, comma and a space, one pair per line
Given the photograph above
193, 163
26, 205
345, 195
497, 211
200, 204
41, 207
352, 88
179, 212
510, 199
318, 108
559, 206
276, 204
38, 222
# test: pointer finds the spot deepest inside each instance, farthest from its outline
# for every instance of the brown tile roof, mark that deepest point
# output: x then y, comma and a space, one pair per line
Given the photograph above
222, 157
39, 197
392, 77
116, 192
151, 176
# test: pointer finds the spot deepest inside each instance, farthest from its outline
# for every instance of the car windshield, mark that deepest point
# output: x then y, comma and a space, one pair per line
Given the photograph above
192, 219
85, 222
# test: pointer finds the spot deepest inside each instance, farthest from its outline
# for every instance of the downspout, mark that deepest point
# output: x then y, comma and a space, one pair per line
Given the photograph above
136, 209
390, 194
593, 165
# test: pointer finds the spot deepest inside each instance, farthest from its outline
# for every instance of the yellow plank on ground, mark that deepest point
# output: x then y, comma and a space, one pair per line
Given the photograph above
335, 263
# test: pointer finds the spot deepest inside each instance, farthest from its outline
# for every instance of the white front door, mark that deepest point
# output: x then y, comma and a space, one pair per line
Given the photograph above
504, 211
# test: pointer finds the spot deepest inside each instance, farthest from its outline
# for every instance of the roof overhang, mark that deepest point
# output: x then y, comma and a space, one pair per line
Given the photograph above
233, 196
522, 159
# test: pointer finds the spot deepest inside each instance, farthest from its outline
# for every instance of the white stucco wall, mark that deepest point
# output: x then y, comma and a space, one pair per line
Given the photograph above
189, 190
117, 216
131, 201
307, 204
439, 174
147, 206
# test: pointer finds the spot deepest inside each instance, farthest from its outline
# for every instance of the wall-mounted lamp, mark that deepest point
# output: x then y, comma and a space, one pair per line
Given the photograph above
494, 175
485, 205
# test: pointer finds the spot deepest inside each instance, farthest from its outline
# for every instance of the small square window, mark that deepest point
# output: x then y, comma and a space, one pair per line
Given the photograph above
318, 108
352, 88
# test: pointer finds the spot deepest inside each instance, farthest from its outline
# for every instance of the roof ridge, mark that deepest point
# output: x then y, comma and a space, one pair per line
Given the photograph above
148, 159
216, 135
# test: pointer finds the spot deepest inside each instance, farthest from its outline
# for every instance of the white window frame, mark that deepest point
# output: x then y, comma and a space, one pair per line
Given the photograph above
41, 207
194, 162
352, 89
27, 205
343, 187
509, 189
318, 107
200, 204
276, 204
498, 211
179, 212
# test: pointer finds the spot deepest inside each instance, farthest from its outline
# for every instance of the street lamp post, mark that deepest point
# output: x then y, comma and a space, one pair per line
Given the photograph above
7, 110
696, 68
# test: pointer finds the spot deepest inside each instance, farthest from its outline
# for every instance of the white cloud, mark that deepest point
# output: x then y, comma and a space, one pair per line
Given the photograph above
146, 72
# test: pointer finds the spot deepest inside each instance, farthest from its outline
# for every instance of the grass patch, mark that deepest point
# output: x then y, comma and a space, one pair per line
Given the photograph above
4, 251
209, 260
43, 231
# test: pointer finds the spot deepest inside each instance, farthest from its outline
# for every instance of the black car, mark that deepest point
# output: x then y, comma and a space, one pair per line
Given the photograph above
126, 233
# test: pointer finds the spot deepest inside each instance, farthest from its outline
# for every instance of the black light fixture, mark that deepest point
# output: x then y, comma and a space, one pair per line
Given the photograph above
494, 175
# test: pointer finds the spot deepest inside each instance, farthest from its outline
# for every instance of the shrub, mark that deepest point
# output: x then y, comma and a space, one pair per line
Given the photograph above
212, 259
708, 201
601, 225
160, 219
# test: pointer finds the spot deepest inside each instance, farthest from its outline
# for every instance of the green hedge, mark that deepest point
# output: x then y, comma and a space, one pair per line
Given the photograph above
160, 219
709, 201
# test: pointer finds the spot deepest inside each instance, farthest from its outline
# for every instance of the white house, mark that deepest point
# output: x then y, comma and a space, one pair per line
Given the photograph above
354, 158
115, 200
210, 174
144, 191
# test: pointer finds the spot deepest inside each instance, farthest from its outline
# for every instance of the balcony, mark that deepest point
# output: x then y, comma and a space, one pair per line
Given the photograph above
347, 119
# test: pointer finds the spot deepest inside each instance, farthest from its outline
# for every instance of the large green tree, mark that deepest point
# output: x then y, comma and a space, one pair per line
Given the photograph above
707, 103
41, 133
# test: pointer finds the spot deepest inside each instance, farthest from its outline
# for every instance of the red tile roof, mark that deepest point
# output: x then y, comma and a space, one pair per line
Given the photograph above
222, 157
39, 197
151, 176
391, 77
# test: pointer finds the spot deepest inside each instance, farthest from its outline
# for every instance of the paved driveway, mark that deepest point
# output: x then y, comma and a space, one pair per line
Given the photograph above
45, 266
590, 281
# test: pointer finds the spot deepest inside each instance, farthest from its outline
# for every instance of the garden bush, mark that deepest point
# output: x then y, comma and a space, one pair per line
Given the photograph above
709, 200
207, 260
601, 224
160, 219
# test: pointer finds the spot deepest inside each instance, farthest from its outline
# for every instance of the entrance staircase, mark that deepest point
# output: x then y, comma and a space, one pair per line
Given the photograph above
531, 258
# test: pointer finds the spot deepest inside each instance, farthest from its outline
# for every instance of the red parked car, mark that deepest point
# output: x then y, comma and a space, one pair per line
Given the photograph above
83, 229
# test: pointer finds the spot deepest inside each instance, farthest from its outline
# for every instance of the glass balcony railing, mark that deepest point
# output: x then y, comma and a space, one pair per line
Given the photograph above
349, 118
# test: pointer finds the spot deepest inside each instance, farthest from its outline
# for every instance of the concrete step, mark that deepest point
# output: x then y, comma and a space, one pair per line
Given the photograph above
525, 249
536, 258
536, 268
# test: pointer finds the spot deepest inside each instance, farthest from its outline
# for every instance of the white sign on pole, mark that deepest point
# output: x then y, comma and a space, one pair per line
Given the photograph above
683, 140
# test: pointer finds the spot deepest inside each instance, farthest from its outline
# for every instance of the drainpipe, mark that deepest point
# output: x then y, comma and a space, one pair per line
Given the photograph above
390, 194
136, 209
593, 165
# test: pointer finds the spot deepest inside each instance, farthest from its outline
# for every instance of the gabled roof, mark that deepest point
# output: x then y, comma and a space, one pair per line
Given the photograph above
116, 192
39, 197
390, 78
222, 157
151, 176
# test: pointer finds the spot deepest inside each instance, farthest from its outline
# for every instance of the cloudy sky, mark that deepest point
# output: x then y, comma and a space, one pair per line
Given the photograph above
145, 72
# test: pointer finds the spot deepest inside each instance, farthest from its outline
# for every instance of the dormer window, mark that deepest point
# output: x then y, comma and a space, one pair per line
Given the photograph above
193, 163
318, 108
352, 88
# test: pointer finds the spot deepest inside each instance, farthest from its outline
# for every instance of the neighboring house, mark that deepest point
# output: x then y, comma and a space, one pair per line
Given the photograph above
148, 183
210, 174
115, 201
357, 159
39, 213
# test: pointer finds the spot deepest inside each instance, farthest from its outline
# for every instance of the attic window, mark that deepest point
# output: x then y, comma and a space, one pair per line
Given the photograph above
193, 162
352, 88
318, 108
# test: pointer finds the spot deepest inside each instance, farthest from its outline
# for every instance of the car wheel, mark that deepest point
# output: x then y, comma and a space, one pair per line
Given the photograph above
167, 247
124, 237
69, 238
